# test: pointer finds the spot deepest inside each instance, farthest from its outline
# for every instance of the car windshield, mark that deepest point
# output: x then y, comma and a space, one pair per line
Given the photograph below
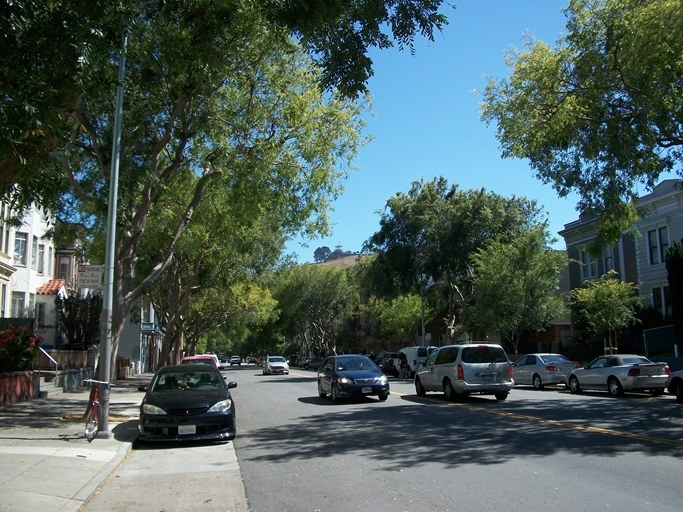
276, 359
186, 381
352, 363
483, 354
198, 361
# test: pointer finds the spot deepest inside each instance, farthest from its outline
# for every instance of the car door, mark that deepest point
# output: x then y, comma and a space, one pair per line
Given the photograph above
325, 374
444, 366
594, 375
524, 369
426, 373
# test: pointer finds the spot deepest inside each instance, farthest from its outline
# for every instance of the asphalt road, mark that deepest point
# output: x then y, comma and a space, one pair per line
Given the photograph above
537, 451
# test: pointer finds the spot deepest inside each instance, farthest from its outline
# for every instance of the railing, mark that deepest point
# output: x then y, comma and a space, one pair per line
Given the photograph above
51, 360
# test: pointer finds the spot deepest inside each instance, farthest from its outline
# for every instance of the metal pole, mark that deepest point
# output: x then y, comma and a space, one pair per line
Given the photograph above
422, 308
110, 258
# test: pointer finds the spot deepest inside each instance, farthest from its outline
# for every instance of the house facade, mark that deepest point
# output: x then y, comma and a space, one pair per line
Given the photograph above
638, 257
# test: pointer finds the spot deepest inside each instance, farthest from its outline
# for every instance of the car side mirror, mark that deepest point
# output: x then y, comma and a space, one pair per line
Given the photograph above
232, 384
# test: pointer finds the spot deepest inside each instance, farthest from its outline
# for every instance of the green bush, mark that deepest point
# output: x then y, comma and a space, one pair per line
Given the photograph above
18, 348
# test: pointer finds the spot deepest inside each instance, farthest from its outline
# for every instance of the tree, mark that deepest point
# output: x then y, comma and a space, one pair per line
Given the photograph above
314, 301
398, 317
516, 286
600, 112
78, 317
429, 235
674, 269
53, 52
608, 305
321, 254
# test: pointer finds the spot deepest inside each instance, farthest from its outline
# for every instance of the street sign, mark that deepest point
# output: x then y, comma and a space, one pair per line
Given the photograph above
89, 276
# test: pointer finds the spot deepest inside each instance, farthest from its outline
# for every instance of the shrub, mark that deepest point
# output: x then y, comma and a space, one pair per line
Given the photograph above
18, 348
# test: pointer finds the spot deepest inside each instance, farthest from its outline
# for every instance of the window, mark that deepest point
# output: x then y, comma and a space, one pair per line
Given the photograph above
661, 300
20, 248
589, 265
658, 244
18, 299
63, 271
3, 301
34, 253
50, 261
40, 314
31, 303
41, 259
608, 259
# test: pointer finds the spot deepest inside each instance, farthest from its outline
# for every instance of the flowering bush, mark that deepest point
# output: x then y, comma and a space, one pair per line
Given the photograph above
18, 347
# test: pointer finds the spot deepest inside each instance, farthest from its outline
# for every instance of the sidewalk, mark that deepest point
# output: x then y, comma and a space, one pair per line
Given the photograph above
45, 462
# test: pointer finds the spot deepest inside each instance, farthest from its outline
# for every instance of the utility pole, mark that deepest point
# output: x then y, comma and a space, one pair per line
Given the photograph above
110, 257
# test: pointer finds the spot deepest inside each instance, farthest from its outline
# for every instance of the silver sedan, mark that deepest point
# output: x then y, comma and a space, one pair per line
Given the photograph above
618, 373
543, 369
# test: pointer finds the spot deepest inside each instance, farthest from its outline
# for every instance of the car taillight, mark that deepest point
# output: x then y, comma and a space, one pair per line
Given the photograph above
461, 373
667, 370
577, 366
634, 372
551, 368
510, 370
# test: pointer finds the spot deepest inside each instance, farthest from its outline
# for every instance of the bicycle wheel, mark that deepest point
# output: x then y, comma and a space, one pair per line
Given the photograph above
92, 422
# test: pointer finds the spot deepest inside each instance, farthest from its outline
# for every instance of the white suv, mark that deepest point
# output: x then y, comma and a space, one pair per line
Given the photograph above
460, 370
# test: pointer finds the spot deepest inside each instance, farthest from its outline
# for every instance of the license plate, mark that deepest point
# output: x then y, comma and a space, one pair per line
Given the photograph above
187, 429
487, 378
367, 390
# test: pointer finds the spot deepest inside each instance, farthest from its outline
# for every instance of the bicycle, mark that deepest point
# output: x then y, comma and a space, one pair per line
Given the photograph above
94, 411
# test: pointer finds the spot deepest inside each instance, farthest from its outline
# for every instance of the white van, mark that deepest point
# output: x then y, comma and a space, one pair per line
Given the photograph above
415, 356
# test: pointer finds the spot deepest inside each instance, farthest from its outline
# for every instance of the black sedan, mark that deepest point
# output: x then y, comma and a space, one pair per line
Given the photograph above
351, 375
187, 402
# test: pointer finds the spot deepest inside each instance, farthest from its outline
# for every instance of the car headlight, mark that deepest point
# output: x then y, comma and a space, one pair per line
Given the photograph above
383, 379
152, 409
344, 380
223, 406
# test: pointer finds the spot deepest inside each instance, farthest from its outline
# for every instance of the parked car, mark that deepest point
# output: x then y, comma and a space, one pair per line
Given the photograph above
251, 360
415, 357
387, 362
236, 360
275, 365
200, 359
618, 373
351, 375
293, 360
674, 384
543, 369
313, 363
460, 370
187, 402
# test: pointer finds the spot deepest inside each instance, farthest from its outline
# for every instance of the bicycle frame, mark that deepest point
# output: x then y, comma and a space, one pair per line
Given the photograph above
93, 411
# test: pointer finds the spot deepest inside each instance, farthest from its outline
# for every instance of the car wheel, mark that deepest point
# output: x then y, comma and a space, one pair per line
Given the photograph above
537, 382
501, 396
574, 386
614, 387
305, 367
383, 397
421, 391
449, 391
679, 392
334, 392
321, 393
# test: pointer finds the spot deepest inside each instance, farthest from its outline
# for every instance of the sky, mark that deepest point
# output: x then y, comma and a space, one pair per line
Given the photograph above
425, 120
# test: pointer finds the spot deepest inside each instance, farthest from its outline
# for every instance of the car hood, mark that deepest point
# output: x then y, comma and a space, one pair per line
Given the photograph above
191, 398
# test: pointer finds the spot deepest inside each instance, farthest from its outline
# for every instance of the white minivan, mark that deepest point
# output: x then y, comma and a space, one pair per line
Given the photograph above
460, 370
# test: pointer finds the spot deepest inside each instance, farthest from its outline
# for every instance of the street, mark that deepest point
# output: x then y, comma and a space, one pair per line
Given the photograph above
538, 450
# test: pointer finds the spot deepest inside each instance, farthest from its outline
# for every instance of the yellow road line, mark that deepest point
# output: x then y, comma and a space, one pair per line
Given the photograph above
558, 423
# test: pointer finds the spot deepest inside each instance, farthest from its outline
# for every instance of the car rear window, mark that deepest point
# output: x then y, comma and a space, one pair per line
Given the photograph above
483, 354
422, 352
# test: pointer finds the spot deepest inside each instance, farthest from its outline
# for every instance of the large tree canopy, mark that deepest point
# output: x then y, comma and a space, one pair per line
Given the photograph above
429, 235
53, 52
600, 112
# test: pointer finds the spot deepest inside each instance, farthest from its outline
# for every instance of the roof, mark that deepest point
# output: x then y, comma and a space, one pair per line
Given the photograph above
52, 287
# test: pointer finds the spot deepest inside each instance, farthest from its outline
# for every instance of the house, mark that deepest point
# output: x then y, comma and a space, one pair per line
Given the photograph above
638, 257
